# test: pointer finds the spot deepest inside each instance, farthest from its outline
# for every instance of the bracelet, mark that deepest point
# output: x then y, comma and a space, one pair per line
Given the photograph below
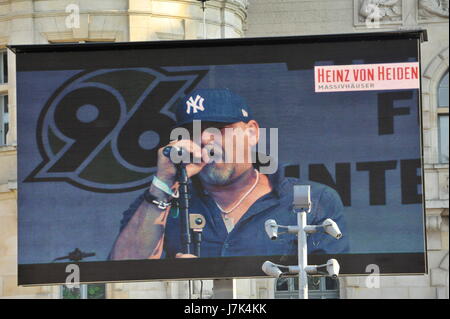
164, 187
149, 198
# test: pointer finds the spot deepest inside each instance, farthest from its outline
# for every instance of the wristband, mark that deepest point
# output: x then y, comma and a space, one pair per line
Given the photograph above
164, 187
149, 198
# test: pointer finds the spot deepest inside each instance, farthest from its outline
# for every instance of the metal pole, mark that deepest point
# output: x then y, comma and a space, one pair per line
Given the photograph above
302, 256
204, 19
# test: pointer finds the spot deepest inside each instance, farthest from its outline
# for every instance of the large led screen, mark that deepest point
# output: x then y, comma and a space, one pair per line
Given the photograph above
99, 189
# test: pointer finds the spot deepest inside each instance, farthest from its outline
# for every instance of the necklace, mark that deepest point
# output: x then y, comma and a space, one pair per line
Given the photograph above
242, 198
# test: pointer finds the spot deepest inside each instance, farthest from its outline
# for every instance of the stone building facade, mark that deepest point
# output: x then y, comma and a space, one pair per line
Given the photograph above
56, 21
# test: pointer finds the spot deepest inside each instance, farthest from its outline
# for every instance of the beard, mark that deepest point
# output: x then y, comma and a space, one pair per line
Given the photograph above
216, 172
214, 175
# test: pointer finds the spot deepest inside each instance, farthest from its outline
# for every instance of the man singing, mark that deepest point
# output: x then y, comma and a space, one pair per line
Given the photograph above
231, 193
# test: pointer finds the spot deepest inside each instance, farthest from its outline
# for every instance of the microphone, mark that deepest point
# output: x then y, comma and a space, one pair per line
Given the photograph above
181, 152
168, 149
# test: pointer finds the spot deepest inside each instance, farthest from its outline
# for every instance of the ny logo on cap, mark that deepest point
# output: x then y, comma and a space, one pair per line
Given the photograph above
195, 105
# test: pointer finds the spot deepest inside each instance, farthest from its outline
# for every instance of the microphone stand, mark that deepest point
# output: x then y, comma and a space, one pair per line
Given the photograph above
189, 222
183, 203
197, 242
76, 255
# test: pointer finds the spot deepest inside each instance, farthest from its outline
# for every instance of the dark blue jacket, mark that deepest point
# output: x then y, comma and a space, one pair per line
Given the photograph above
248, 238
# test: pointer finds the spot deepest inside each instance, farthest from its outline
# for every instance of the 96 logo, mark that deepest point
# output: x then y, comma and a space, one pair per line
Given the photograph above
101, 130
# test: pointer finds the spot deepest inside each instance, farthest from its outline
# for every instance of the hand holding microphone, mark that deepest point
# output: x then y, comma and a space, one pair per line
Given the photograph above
178, 151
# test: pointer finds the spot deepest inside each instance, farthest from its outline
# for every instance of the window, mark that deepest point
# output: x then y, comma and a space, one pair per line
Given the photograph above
89, 291
443, 118
4, 118
3, 67
318, 288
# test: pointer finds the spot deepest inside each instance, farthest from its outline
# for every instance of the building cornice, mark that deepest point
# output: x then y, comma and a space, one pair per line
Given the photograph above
235, 6
117, 13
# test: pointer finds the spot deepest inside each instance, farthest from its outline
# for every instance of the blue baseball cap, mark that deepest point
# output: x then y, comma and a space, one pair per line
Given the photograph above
212, 105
